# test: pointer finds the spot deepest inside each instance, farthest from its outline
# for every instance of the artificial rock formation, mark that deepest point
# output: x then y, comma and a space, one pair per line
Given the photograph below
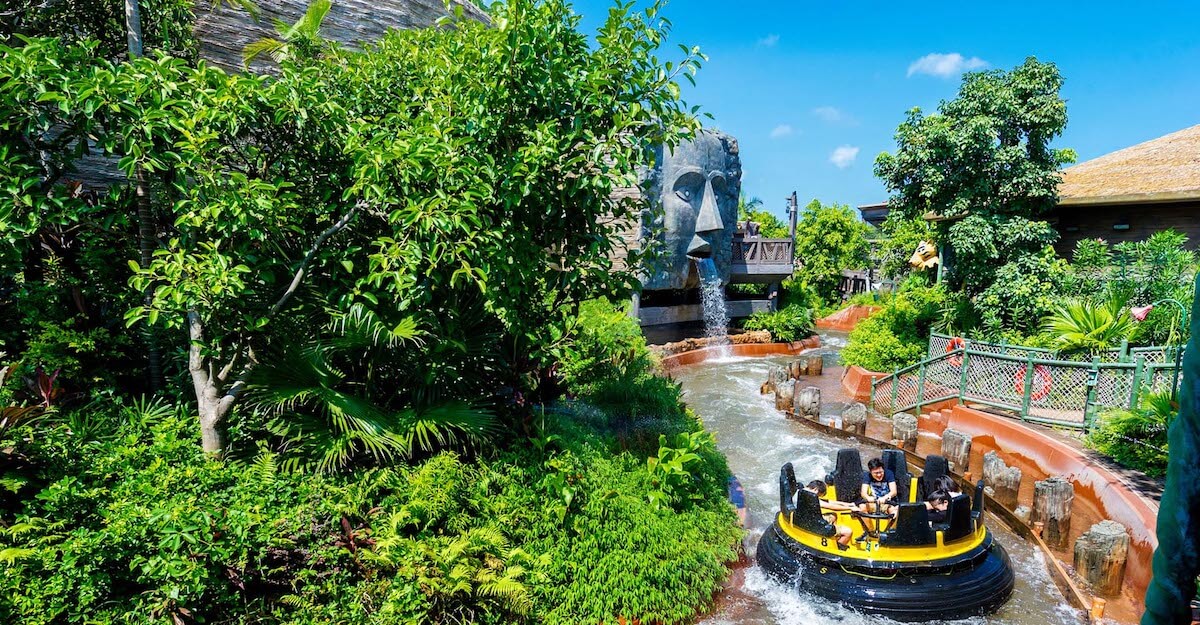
807, 403
956, 447
1005, 481
695, 191
785, 395
1052, 501
1100, 555
854, 418
814, 365
904, 430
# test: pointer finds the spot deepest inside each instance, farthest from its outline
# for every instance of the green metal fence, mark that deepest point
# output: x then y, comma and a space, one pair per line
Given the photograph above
1034, 383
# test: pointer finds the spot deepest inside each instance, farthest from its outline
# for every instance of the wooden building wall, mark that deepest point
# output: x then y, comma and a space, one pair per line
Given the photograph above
1096, 221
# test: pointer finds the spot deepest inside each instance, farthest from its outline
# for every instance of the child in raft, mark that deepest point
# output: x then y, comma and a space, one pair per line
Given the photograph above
843, 532
947, 484
878, 488
938, 502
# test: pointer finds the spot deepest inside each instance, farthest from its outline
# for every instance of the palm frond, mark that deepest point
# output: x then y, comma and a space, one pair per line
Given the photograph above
267, 45
309, 25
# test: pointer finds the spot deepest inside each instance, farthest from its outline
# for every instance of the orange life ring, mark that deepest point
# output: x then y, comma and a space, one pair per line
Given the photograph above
1040, 385
955, 344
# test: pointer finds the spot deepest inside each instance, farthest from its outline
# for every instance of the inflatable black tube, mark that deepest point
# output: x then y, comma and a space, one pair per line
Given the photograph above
975, 584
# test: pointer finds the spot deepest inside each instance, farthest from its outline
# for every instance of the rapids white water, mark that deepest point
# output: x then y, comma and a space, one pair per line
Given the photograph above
757, 440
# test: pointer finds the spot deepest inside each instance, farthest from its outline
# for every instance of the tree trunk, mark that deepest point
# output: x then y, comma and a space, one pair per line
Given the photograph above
815, 365
956, 447
1100, 556
211, 402
133, 28
1004, 480
1052, 500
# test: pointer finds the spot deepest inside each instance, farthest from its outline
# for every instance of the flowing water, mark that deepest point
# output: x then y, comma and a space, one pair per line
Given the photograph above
757, 439
712, 297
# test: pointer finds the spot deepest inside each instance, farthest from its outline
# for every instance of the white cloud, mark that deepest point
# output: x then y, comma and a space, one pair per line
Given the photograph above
831, 114
769, 41
782, 130
844, 156
945, 65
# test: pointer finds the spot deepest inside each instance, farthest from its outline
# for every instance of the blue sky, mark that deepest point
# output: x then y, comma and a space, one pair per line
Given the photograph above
814, 90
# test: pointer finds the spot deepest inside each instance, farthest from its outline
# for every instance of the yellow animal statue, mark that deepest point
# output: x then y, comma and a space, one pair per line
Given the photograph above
925, 256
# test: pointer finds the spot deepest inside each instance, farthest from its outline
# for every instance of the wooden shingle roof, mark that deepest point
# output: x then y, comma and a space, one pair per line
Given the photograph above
1160, 170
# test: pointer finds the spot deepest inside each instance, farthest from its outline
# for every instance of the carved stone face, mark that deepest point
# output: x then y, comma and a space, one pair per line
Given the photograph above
698, 188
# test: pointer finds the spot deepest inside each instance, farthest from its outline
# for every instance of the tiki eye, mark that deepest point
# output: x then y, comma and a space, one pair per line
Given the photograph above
684, 194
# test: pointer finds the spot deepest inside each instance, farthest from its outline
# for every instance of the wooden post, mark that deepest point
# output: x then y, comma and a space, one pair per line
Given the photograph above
785, 395
854, 419
904, 429
815, 365
1004, 480
807, 403
1052, 500
795, 369
956, 447
1100, 556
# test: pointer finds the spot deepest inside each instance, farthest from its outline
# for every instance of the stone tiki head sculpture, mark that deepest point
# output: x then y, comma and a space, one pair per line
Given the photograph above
694, 188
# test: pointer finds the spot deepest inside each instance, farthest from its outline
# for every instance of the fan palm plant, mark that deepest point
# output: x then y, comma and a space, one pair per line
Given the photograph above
1079, 325
336, 401
299, 40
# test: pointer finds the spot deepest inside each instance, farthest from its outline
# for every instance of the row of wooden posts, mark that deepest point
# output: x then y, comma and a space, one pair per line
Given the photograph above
1099, 554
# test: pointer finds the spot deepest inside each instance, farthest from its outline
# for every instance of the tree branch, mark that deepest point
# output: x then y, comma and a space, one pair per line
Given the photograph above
316, 246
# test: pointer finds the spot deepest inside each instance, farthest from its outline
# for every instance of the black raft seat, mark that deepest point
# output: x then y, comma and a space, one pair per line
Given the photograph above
911, 529
895, 461
960, 523
847, 476
935, 467
807, 515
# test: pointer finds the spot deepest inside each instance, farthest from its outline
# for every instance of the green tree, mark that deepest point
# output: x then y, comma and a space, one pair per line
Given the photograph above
829, 238
984, 166
299, 40
771, 227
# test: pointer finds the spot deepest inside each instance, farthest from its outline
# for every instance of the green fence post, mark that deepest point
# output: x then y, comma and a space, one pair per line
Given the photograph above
1135, 386
921, 388
1027, 390
895, 388
962, 382
1089, 407
1124, 350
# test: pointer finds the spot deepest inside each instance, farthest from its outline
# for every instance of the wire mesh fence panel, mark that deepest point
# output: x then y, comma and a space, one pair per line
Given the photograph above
1114, 387
882, 400
1059, 392
942, 377
1159, 379
992, 379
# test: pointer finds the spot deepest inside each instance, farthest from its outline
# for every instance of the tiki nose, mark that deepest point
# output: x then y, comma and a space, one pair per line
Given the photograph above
709, 219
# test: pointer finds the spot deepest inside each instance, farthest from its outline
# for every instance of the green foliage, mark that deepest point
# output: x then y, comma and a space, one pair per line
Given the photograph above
1157, 268
671, 470
301, 41
1080, 326
900, 239
606, 344
1137, 438
829, 238
1024, 291
770, 226
984, 245
897, 335
788, 324
986, 152
166, 24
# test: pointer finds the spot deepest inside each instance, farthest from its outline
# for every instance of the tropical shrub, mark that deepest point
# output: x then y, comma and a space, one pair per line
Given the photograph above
1024, 291
1079, 325
897, 335
606, 343
1137, 438
785, 325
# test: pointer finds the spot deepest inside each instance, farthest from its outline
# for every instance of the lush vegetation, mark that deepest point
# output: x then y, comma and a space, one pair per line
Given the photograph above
359, 290
897, 335
790, 323
829, 238
770, 226
1137, 438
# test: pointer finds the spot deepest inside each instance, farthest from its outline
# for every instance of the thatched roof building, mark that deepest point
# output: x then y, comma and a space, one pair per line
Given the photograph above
1127, 195
1132, 193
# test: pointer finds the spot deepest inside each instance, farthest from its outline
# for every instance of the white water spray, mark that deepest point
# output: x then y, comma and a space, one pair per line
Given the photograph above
712, 296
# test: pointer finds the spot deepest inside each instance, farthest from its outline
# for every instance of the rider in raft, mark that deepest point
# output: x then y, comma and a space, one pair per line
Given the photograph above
902, 567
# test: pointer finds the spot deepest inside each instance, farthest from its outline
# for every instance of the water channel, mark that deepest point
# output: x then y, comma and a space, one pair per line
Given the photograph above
758, 439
